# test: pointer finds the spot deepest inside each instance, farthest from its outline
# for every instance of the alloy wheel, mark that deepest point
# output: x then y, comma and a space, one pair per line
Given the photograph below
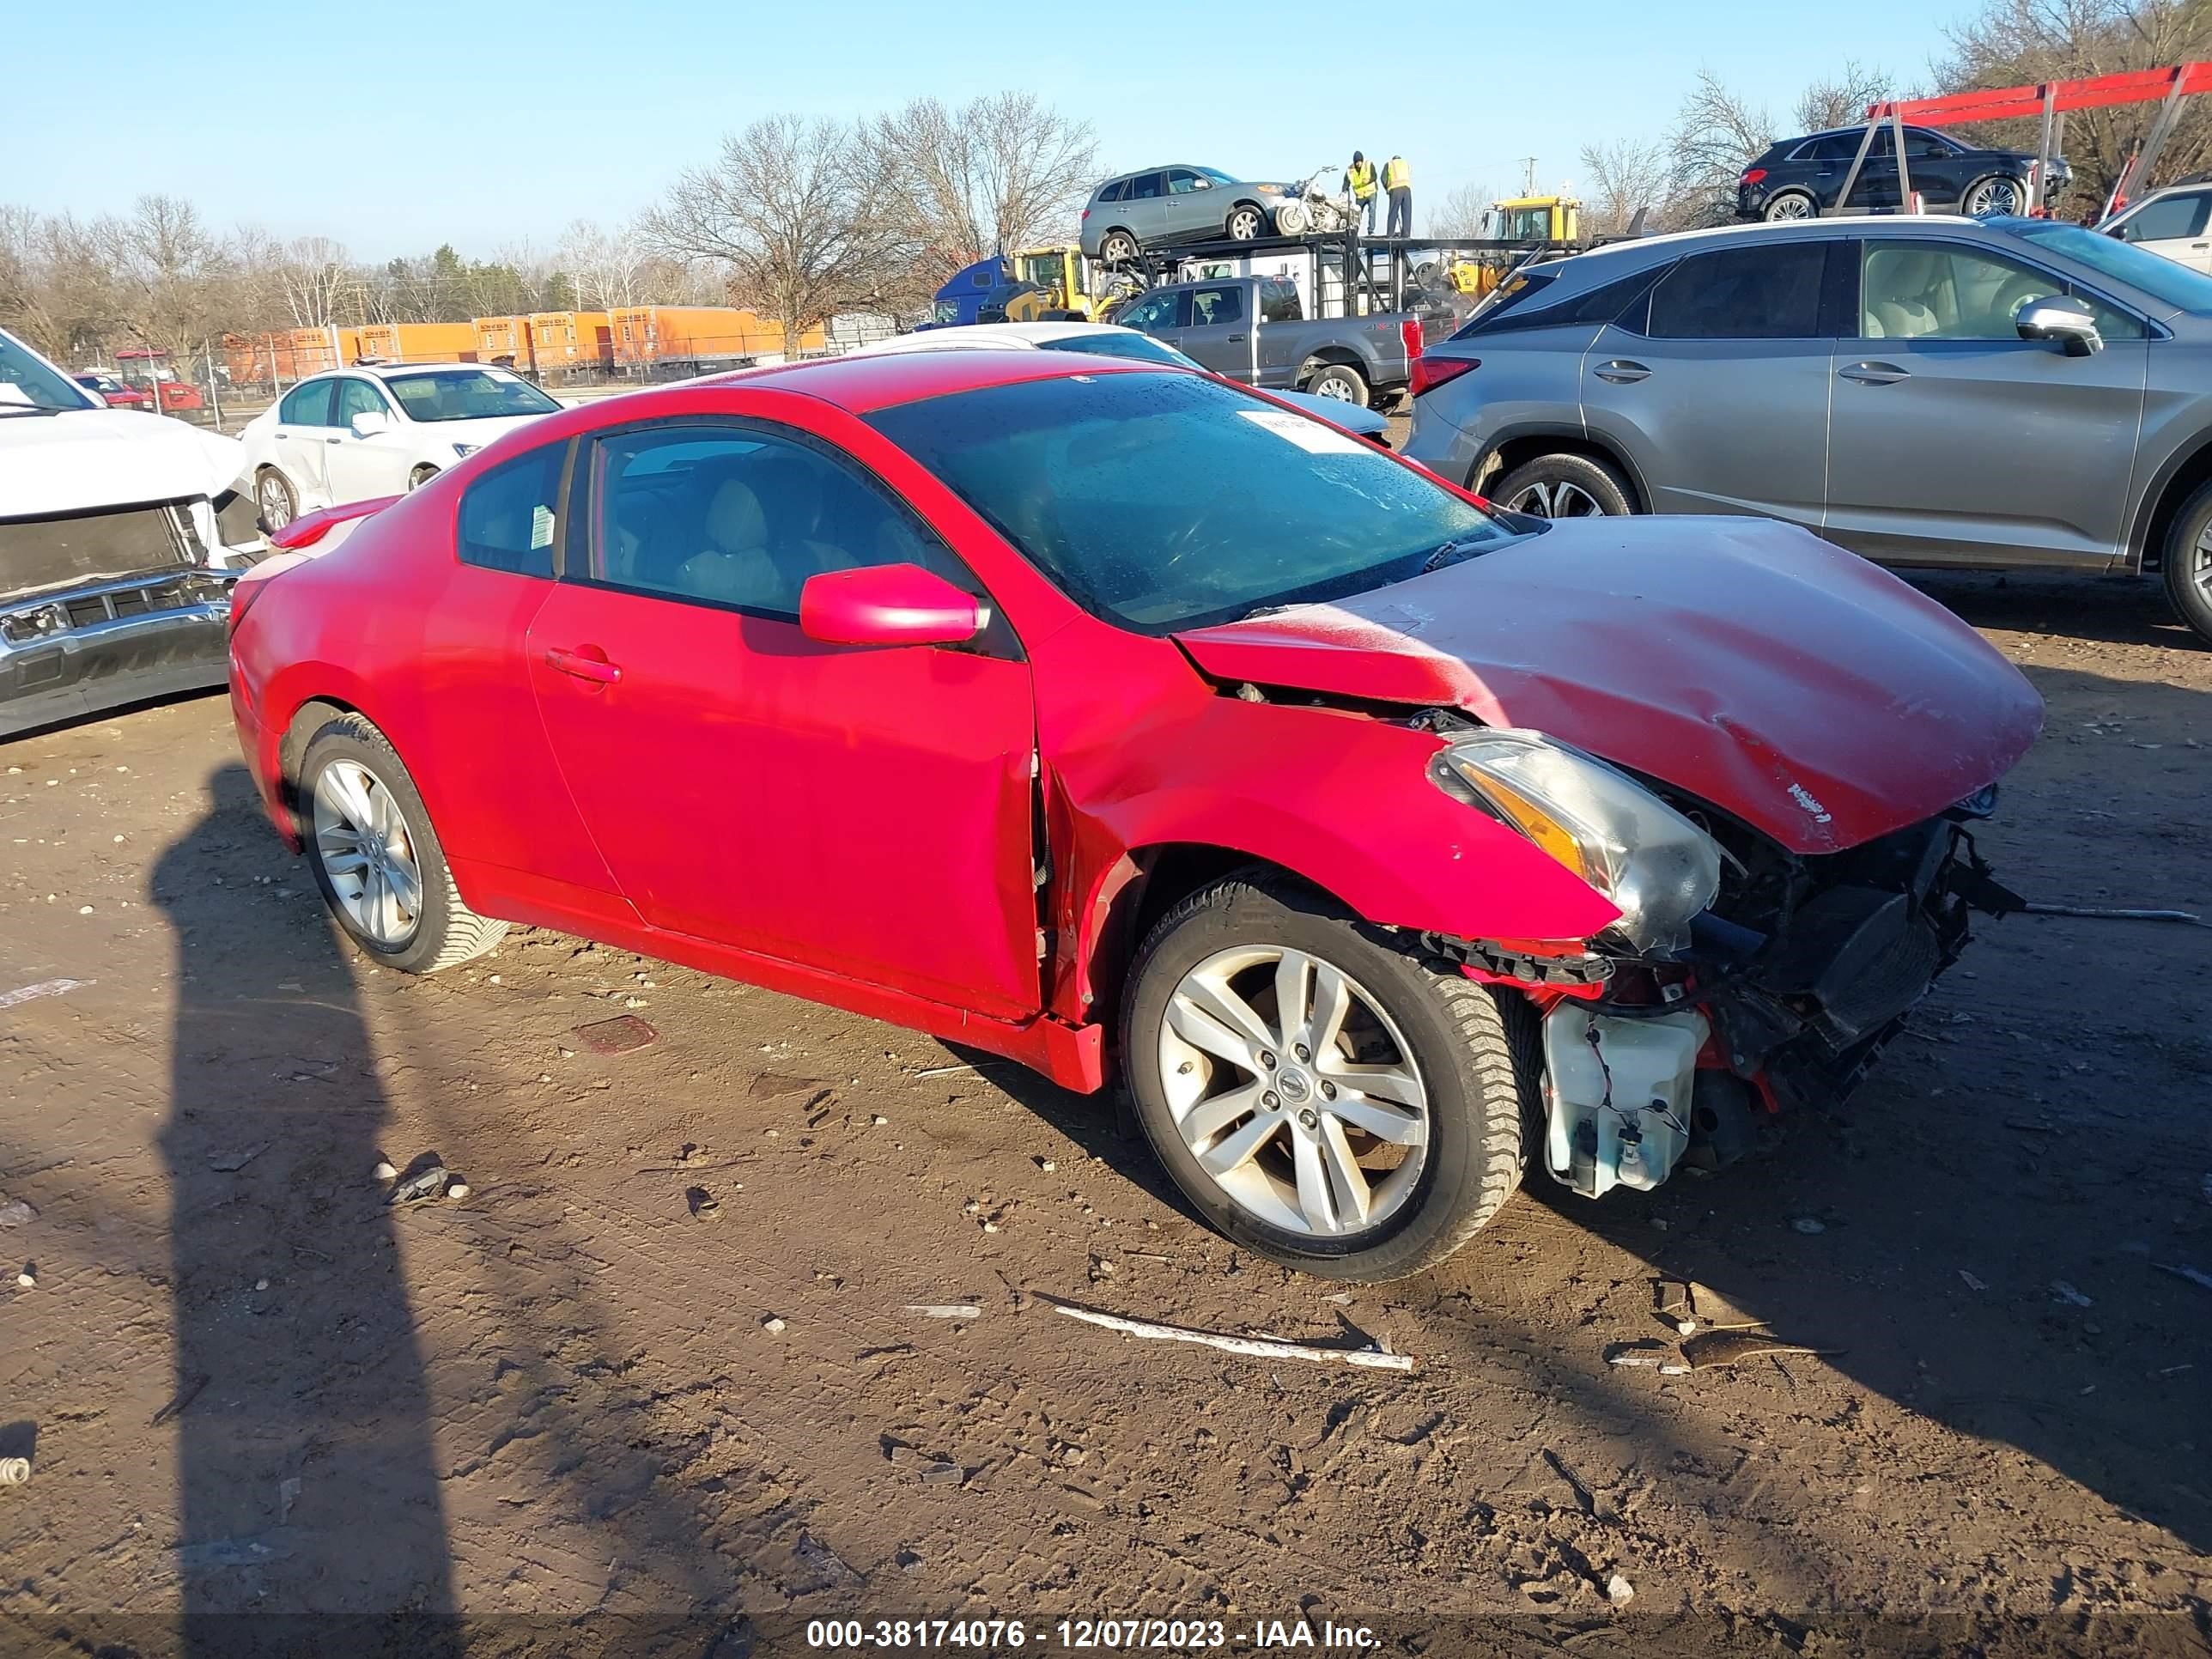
1555, 500
1792, 206
1295, 1092
1334, 386
1993, 196
1244, 225
275, 502
362, 842
2200, 563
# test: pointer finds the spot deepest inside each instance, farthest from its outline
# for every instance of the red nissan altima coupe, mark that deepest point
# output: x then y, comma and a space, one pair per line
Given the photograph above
1110, 717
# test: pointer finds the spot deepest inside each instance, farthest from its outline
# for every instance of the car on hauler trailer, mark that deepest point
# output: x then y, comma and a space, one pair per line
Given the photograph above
1100, 713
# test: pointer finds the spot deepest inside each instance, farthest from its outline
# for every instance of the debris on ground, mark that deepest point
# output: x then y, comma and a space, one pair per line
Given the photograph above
2104, 913
16, 1213
1713, 1348
1809, 1224
2065, 1292
1972, 1283
384, 1171
770, 1086
288, 1493
1374, 1358
225, 1163
773, 1325
431, 1183
28, 1278
188, 1391
1618, 1590
617, 1036
14, 1471
45, 988
945, 1309
701, 1203
2194, 1275
1649, 1356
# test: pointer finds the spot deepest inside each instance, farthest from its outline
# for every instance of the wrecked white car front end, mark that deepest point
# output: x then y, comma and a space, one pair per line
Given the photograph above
120, 536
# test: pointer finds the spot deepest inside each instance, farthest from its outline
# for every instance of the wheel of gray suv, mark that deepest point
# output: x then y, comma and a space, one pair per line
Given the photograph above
421, 476
1997, 194
1117, 248
376, 858
1339, 380
1563, 486
1320, 1097
272, 493
1790, 204
2187, 557
1246, 222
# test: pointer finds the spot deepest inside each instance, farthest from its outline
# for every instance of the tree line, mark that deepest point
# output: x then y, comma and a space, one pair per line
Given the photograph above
798, 218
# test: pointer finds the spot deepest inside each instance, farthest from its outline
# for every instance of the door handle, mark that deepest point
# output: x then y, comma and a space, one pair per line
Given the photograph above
329, 441
586, 663
1874, 374
1621, 372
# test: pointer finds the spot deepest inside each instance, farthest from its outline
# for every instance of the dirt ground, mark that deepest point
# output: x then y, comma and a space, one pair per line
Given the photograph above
557, 1408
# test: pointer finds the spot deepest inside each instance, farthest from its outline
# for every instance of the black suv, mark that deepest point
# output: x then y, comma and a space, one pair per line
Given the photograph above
1800, 176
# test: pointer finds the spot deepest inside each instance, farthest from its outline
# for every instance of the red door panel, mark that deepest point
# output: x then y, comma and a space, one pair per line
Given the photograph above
862, 811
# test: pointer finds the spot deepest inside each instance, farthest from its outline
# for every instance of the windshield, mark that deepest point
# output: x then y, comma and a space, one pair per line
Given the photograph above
1216, 174
1160, 502
1122, 343
28, 381
2177, 285
467, 394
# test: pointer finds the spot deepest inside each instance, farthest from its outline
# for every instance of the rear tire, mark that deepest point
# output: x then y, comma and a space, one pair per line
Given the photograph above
1997, 194
349, 760
1117, 248
2187, 557
1473, 1064
1339, 380
1563, 486
1791, 204
275, 499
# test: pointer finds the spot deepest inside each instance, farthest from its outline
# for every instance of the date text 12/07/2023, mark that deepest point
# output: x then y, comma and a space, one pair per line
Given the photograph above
1093, 1635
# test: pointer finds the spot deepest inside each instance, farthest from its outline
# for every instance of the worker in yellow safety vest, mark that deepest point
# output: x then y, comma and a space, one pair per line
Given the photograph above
1398, 182
1359, 180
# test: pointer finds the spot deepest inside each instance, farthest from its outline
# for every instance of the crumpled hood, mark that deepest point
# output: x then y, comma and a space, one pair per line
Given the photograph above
1748, 663
84, 460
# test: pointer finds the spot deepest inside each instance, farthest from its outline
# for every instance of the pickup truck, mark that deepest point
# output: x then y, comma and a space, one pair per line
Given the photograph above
1253, 330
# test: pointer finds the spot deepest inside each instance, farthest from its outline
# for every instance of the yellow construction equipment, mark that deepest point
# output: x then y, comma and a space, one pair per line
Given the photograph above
1537, 219
1062, 277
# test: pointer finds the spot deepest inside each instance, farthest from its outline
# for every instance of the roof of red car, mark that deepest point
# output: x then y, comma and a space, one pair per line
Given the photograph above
863, 383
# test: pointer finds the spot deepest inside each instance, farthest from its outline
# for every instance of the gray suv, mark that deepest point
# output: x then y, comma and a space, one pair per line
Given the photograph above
1176, 204
2014, 394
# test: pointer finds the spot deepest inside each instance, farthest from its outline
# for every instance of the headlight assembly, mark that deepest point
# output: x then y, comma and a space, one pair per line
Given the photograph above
1656, 865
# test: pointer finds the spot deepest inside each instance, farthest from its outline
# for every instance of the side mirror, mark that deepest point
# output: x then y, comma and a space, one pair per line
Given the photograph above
887, 604
2060, 317
369, 423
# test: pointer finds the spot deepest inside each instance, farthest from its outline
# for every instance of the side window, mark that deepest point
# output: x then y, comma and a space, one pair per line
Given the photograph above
358, 398
1181, 181
509, 515
307, 404
1153, 312
2170, 218
1920, 143
1919, 290
1216, 308
1144, 186
1279, 302
1836, 147
1113, 192
736, 516
1765, 292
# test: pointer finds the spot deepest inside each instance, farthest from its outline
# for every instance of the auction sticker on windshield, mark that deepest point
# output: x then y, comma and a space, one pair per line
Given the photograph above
1310, 435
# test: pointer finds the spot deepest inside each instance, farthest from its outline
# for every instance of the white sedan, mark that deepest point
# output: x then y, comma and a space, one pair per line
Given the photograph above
378, 429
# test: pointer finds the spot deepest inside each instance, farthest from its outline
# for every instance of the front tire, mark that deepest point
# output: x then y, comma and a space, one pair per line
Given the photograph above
1996, 194
1563, 486
1342, 381
376, 858
273, 495
2187, 557
421, 476
1246, 222
1365, 1136
1790, 204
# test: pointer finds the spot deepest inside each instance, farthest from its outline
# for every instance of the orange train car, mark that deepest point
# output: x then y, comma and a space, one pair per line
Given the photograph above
645, 335
505, 340
573, 339
421, 343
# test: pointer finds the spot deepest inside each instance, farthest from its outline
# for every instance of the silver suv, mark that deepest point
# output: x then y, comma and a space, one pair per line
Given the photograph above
2011, 394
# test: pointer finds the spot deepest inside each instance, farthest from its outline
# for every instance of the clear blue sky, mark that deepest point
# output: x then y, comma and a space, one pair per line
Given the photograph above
396, 126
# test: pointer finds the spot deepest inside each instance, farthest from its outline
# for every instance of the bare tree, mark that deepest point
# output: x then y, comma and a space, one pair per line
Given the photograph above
1626, 179
2021, 42
998, 173
56, 287
315, 280
610, 268
1716, 135
171, 273
1840, 100
792, 211
1464, 213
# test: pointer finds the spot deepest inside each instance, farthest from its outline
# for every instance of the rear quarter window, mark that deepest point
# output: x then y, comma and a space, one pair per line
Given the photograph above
509, 517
